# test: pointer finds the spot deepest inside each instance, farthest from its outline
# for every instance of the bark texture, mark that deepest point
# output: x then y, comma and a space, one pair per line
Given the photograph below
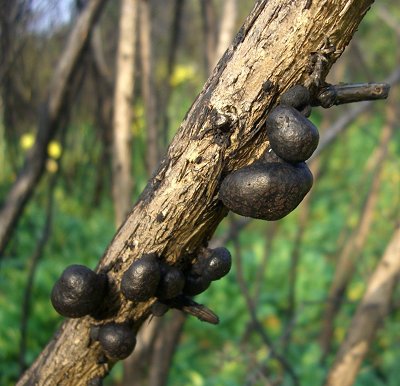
124, 86
369, 316
179, 209
49, 120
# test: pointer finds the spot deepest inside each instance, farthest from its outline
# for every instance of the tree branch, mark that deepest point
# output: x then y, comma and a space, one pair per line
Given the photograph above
179, 209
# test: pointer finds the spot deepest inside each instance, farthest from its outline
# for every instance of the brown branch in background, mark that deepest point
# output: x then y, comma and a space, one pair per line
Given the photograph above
34, 260
369, 316
148, 90
226, 29
136, 366
209, 45
258, 327
122, 111
175, 30
353, 248
302, 223
272, 231
49, 120
165, 347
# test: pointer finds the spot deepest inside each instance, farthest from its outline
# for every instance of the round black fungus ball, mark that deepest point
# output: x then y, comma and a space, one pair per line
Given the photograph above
291, 136
140, 281
218, 264
171, 283
78, 292
267, 191
195, 285
117, 340
297, 97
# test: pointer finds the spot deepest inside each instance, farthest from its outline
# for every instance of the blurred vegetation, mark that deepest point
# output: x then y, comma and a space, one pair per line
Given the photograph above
231, 353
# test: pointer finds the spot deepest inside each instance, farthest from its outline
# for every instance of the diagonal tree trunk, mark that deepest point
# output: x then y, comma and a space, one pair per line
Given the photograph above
179, 209
369, 316
49, 119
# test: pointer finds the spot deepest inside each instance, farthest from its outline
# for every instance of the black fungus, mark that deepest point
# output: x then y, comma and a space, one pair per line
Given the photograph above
140, 281
117, 340
266, 190
78, 292
196, 284
291, 136
297, 97
171, 282
218, 263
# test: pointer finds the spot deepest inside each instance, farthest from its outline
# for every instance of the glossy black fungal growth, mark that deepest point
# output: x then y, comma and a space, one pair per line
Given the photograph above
297, 97
78, 292
291, 136
140, 281
117, 340
171, 283
266, 190
218, 263
196, 284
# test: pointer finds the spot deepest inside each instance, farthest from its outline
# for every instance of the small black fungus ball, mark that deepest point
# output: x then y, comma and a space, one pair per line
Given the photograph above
297, 97
117, 340
78, 292
291, 136
195, 284
140, 281
218, 264
267, 191
171, 283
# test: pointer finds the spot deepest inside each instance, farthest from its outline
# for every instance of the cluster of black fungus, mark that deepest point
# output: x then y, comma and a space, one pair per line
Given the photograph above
212, 264
147, 277
78, 292
274, 186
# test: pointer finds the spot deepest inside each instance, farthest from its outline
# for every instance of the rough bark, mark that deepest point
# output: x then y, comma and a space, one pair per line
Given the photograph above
124, 86
148, 90
49, 119
369, 316
179, 209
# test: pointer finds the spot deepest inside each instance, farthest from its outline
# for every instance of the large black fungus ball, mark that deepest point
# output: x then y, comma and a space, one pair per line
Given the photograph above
117, 340
297, 97
196, 284
267, 191
218, 263
140, 281
171, 283
291, 136
78, 292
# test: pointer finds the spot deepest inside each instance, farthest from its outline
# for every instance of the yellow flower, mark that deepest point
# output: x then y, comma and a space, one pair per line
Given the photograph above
54, 150
27, 140
182, 74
